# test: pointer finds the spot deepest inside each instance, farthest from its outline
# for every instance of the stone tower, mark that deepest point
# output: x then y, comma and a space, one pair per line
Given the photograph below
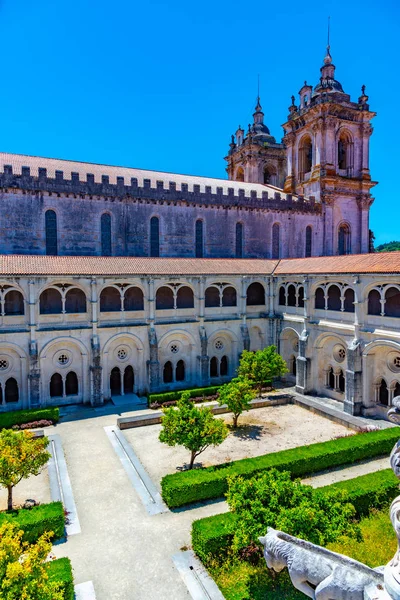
327, 150
256, 157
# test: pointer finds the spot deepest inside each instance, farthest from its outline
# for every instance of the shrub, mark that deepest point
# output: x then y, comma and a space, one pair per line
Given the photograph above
262, 366
212, 536
60, 571
199, 393
37, 520
33, 425
182, 488
20, 417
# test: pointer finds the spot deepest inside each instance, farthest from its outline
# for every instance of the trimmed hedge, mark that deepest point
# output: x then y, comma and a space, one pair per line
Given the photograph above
212, 536
20, 417
60, 570
176, 394
37, 520
185, 487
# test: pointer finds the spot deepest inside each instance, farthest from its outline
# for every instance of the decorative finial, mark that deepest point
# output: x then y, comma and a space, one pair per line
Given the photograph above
232, 139
293, 99
363, 90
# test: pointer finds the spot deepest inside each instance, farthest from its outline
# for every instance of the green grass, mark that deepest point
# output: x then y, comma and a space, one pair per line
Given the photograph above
242, 581
60, 570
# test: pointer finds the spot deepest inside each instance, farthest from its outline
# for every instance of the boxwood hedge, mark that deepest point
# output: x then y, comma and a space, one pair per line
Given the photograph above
212, 536
35, 521
185, 487
19, 417
60, 570
175, 395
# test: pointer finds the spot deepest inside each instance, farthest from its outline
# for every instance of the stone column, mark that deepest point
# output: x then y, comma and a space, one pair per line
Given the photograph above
96, 369
303, 367
353, 393
153, 364
204, 359
245, 337
34, 370
329, 245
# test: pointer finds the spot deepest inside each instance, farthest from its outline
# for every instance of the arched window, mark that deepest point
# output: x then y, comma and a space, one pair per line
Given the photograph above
167, 372
320, 298
396, 390
75, 301
334, 302
341, 382
374, 303
348, 304
115, 382
276, 243
300, 297
105, 234
223, 367
239, 240
282, 296
308, 241
129, 380
331, 379
133, 299
229, 296
180, 371
56, 386
51, 232
392, 302
291, 295
164, 298
71, 384
214, 370
199, 239
344, 239
50, 302
14, 303
110, 300
154, 236
255, 294
345, 151
305, 156
11, 390
383, 394
240, 174
212, 297
269, 175
184, 297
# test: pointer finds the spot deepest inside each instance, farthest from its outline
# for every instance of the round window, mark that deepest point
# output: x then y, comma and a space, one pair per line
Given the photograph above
393, 362
339, 353
122, 353
219, 345
174, 348
62, 358
4, 364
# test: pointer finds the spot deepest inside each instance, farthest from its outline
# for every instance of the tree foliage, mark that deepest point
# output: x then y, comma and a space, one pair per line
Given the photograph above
237, 395
262, 366
21, 455
23, 569
274, 500
388, 247
190, 426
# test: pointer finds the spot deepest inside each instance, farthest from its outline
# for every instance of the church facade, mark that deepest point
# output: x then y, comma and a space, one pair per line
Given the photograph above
117, 281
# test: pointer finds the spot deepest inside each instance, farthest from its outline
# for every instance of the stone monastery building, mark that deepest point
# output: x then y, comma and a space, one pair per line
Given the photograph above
117, 281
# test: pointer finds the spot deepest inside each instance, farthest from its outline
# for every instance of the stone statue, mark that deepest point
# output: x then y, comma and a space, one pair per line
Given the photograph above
318, 573
325, 575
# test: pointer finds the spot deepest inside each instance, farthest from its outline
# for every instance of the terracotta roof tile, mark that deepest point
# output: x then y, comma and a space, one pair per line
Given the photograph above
379, 262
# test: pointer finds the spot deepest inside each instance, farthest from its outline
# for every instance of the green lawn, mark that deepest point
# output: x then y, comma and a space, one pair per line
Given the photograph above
242, 581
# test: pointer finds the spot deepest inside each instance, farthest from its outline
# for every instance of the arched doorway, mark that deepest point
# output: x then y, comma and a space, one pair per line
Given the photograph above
11, 391
115, 382
129, 380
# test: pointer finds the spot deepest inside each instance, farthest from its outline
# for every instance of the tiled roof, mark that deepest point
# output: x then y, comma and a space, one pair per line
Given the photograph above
123, 265
379, 262
18, 265
17, 161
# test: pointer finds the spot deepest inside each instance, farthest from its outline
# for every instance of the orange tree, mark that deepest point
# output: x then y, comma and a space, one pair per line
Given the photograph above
21, 455
262, 366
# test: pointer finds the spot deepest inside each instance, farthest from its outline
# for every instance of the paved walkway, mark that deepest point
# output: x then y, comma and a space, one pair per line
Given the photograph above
125, 552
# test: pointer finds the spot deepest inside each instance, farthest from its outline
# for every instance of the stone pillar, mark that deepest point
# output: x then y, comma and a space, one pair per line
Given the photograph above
245, 337
353, 392
153, 364
34, 370
96, 374
329, 244
204, 358
303, 367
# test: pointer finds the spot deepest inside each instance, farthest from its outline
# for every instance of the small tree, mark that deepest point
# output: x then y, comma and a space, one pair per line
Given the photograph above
237, 395
262, 366
21, 455
190, 426
23, 568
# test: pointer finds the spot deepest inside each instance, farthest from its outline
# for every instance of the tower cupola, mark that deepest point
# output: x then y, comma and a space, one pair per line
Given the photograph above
327, 82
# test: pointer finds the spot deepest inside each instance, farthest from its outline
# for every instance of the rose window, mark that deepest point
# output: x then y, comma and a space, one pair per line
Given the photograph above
63, 359
122, 354
219, 345
396, 362
342, 353
3, 364
174, 348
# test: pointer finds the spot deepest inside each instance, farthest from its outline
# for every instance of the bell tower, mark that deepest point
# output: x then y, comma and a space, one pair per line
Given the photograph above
327, 150
256, 157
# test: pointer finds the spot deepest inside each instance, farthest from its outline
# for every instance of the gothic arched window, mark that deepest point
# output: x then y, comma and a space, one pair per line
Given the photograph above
305, 156
199, 239
51, 233
276, 241
106, 234
308, 240
344, 239
239, 240
154, 236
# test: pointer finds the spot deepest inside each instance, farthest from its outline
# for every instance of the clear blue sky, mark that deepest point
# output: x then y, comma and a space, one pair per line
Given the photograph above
162, 85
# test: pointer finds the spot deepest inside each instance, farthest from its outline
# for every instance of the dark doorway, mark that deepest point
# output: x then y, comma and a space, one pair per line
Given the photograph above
168, 373
115, 382
129, 380
11, 391
56, 386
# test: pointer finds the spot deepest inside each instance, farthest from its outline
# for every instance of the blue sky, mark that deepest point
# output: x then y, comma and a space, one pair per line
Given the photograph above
163, 85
